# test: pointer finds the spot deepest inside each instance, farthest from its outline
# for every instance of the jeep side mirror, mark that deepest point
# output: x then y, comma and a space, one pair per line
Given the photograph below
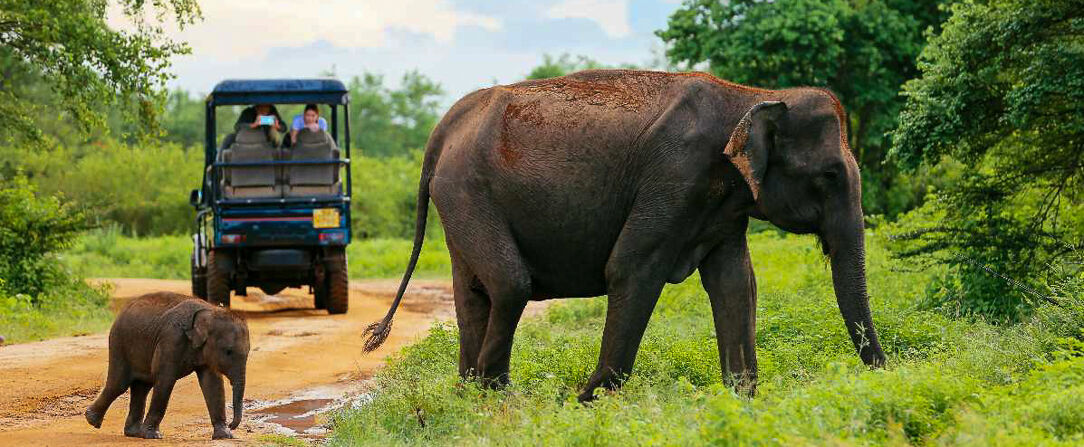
195, 197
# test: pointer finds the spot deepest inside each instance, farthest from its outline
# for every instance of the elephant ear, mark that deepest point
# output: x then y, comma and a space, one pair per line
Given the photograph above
751, 141
200, 328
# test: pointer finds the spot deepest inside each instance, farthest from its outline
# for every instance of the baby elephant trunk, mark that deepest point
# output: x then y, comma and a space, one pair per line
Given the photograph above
237, 382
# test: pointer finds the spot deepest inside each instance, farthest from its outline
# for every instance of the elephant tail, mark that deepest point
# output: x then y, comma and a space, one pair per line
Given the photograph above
378, 331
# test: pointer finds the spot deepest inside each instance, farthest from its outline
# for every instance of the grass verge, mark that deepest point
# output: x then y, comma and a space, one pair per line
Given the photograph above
949, 381
105, 253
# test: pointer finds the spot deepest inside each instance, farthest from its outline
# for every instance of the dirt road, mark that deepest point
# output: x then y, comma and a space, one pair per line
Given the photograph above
302, 360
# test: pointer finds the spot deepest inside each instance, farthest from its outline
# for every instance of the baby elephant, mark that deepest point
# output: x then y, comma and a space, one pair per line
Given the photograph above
161, 337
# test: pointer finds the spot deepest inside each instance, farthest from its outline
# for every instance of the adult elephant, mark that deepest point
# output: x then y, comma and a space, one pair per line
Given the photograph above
615, 182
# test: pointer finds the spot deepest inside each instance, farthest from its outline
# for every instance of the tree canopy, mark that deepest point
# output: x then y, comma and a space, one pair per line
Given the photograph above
86, 64
1002, 91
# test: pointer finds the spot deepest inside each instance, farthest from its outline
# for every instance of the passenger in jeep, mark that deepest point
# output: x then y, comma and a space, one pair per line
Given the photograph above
310, 119
250, 118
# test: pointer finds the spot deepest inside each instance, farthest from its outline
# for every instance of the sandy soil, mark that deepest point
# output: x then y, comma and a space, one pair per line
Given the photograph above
302, 360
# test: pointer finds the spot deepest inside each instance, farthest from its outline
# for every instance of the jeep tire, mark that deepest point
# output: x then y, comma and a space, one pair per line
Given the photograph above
199, 280
336, 282
219, 267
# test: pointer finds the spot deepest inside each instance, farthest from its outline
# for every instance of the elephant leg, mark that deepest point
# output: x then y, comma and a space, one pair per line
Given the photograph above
627, 313
471, 313
133, 426
727, 276
163, 387
507, 284
117, 381
493, 288
504, 315
214, 395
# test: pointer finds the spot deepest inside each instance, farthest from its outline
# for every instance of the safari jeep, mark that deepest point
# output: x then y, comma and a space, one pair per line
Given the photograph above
273, 214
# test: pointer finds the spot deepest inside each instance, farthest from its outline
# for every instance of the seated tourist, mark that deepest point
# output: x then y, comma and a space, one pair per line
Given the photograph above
264, 116
310, 119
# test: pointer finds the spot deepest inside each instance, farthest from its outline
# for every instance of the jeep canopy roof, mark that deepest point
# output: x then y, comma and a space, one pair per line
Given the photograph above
278, 91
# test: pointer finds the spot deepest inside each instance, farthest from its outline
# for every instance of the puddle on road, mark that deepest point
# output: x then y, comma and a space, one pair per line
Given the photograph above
300, 413
298, 416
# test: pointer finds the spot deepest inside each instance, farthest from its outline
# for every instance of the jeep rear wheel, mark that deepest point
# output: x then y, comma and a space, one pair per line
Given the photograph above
199, 280
219, 266
337, 283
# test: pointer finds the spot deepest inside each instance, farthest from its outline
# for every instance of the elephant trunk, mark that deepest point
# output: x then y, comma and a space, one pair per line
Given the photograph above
237, 383
846, 249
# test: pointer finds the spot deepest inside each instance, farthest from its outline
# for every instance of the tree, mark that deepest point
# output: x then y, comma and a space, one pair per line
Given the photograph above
87, 65
393, 122
862, 50
1002, 93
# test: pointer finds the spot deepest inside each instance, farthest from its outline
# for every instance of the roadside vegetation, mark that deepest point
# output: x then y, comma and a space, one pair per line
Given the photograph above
949, 380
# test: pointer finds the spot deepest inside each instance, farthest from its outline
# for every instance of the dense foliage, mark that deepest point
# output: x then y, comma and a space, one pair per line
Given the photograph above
87, 64
34, 228
388, 121
1001, 91
949, 381
38, 296
861, 50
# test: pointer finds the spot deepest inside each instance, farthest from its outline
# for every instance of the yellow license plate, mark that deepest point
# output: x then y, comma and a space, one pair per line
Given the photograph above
325, 218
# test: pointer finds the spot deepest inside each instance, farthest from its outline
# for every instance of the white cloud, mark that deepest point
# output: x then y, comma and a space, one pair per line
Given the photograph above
246, 29
611, 15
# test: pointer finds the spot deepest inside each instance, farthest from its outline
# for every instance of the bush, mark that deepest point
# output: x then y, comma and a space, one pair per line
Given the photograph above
38, 297
32, 228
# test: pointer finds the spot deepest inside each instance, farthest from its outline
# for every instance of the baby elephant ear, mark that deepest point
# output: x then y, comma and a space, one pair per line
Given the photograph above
750, 143
200, 329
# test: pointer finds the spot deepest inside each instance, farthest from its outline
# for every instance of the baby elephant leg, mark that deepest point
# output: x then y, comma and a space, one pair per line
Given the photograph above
116, 382
214, 395
133, 427
163, 387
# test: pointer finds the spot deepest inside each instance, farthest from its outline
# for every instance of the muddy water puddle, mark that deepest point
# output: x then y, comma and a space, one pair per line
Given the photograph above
302, 414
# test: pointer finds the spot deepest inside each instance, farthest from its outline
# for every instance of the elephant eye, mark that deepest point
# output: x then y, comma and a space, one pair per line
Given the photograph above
229, 352
832, 174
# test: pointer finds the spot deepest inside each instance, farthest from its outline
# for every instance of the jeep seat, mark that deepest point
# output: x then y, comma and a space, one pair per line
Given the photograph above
313, 180
258, 181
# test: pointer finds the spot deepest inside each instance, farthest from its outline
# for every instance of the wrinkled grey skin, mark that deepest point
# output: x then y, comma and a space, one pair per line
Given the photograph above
616, 182
161, 337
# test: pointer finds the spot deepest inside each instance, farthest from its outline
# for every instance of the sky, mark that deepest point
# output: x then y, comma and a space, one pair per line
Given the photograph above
462, 44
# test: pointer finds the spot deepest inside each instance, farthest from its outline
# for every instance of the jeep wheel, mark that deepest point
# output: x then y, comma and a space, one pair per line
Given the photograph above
219, 266
199, 280
338, 283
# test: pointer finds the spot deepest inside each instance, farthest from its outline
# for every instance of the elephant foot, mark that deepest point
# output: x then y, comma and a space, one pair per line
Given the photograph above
94, 418
134, 431
497, 382
222, 433
151, 433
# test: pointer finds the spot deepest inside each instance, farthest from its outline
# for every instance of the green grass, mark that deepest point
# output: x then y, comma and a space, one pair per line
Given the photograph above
949, 381
67, 309
106, 253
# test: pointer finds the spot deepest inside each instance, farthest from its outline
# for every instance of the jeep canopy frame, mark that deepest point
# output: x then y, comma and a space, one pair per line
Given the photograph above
247, 92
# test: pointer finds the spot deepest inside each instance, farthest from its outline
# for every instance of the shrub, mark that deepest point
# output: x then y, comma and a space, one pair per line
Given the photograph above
32, 228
